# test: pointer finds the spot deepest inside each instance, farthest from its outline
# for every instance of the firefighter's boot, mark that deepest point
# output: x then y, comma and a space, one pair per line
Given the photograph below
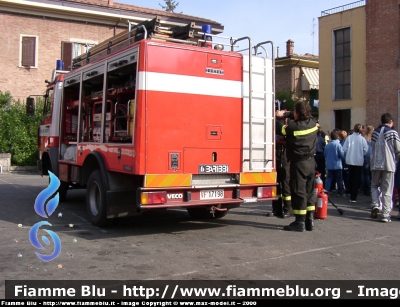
297, 225
310, 220
276, 208
287, 209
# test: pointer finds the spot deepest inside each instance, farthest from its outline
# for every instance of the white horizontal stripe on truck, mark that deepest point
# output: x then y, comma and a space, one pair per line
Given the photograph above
152, 81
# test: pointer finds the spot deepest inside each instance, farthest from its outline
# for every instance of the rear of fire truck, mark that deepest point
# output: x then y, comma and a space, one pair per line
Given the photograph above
165, 123
209, 129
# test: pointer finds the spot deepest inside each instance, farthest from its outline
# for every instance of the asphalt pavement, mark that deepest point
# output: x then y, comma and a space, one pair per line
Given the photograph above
169, 245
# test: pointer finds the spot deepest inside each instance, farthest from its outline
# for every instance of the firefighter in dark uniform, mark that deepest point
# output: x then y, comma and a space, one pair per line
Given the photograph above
301, 138
282, 207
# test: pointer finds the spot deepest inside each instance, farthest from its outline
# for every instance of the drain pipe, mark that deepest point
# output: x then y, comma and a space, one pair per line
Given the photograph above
115, 26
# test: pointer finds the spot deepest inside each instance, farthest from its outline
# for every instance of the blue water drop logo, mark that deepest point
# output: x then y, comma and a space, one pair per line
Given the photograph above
41, 208
45, 194
35, 242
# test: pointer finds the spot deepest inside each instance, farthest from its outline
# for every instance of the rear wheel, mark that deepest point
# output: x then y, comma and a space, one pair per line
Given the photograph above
96, 201
205, 213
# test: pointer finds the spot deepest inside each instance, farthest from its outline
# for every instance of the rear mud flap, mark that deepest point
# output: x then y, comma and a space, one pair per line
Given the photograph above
121, 204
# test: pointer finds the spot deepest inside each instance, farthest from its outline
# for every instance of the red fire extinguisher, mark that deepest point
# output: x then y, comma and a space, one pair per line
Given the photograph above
318, 187
321, 198
319, 184
321, 206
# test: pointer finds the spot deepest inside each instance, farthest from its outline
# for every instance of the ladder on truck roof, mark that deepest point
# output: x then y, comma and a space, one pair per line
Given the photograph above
149, 29
258, 109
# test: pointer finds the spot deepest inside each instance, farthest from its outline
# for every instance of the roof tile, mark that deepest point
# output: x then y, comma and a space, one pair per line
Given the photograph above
140, 9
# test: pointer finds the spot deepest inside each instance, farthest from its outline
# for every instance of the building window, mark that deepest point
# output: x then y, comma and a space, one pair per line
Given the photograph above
70, 50
29, 50
342, 64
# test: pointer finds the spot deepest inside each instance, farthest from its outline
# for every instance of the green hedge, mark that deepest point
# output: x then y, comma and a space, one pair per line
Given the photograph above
18, 131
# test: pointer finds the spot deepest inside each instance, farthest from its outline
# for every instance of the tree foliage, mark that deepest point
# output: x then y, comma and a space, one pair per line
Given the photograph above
5, 99
288, 98
170, 5
18, 133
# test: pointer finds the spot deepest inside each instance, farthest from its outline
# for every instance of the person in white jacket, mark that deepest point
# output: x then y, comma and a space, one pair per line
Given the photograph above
355, 147
385, 143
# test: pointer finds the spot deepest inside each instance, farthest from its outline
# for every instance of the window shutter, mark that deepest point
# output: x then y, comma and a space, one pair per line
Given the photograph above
66, 55
28, 51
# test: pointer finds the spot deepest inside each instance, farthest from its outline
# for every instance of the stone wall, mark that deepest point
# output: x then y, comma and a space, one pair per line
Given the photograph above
5, 165
5, 161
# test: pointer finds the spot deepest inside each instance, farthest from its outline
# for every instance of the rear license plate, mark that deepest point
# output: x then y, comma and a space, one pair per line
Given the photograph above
211, 194
250, 200
213, 168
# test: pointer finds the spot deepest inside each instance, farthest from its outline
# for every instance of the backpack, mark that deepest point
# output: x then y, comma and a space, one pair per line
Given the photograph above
378, 156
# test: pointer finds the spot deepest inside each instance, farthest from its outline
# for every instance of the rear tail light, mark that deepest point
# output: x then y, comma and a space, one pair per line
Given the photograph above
151, 198
264, 192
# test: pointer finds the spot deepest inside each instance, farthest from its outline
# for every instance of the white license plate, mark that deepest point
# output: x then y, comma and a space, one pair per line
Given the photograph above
211, 194
250, 200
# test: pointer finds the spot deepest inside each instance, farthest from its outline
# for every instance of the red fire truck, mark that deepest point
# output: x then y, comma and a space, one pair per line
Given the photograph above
158, 118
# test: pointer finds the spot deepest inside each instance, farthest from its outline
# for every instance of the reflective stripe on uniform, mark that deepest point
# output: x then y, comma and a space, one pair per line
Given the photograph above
305, 132
299, 212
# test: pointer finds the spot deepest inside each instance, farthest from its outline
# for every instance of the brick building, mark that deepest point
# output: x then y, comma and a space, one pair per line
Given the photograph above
359, 51
37, 33
382, 60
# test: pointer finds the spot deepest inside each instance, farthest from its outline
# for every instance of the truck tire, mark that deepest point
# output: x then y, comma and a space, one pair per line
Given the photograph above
96, 200
62, 190
205, 213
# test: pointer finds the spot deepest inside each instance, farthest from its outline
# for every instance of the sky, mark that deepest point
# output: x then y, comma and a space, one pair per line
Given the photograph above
261, 20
